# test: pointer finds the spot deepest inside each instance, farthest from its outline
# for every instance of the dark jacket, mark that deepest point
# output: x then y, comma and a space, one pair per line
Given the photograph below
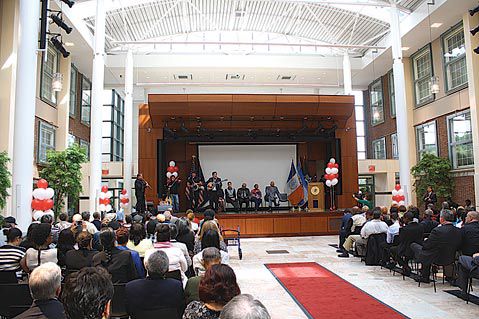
243, 193
411, 233
51, 309
429, 225
152, 294
344, 221
78, 259
188, 239
442, 244
374, 249
470, 238
120, 266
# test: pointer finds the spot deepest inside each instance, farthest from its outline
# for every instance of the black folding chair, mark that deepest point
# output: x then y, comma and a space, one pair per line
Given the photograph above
14, 295
167, 313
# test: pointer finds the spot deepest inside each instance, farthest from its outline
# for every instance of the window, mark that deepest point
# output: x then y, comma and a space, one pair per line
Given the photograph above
71, 140
394, 144
460, 140
422, 73
113, 125
86, 145
454, 58
376, 100
85, 100
360, 127
73, 90
49, 67
426, 139
46, 141
392, 95
379, 148
397, 178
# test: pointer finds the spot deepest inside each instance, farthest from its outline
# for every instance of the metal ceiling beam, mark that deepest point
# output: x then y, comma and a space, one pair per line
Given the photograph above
380, 4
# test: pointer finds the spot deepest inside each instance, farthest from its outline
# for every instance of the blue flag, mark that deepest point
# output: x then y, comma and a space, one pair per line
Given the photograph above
304, 184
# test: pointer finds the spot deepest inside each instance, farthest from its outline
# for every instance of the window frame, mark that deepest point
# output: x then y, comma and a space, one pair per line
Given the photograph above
451, 144
424, 50
84, 78
449, 33
394, 156
383, 141
86, 144
416, 129
45, 125
42, 75
392, 94
73, 92
373, 84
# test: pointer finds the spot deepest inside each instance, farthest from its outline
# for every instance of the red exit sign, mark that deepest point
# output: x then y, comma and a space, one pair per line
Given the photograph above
372, 168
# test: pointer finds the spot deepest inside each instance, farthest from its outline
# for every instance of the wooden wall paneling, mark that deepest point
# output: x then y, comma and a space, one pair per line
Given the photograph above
287, 225
233, 223
296, 105
313, 224
144, 120
210, 104
334, 224
257, 105
259, 226
148, 169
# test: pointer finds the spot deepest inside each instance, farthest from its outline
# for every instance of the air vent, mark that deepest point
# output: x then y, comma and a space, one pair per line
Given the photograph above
235, 76
240, 13
183, 77
286, 77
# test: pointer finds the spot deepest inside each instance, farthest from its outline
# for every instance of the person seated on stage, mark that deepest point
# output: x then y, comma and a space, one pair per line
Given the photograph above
210, 239
271, 195
211, 256
440, 247
45, 284
470, 234
208, 225
256, 197
374, 226
155, 292
230, 196
427, 223
243, 196
244, 306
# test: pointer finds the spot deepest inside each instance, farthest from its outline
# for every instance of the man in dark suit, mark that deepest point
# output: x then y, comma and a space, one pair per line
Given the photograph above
140, 187
243, 196
428, 224
412, 232
155, 292
215, 190
470, 234
430, 197
467, 266
441, 246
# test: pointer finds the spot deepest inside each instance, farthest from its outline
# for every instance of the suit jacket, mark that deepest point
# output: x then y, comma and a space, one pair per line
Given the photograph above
77, 259
121, 266
45, 309
442, 244
411, 233
154, 293
429, 225
470, 238
243, 193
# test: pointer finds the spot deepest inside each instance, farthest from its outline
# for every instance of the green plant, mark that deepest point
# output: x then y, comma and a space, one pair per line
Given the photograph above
5, 182
435, 172
63, 173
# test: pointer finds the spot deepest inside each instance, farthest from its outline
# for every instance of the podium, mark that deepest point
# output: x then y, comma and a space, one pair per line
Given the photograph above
315, 197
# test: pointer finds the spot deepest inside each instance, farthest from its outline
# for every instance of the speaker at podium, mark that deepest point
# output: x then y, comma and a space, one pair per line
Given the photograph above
316, 197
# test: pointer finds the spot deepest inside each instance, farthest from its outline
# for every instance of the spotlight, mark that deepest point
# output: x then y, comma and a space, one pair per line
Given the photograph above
59, 46
475, 30
474, 11
59, 22
69, 3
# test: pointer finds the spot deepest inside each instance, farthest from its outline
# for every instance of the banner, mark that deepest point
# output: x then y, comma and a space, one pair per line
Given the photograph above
293, 187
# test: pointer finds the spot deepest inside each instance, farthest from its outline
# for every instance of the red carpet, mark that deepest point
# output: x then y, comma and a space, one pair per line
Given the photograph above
323, 294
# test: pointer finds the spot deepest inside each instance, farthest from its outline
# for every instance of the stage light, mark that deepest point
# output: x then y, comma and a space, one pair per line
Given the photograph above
69, 3
475, 30
59, 22
474, 11
59, 46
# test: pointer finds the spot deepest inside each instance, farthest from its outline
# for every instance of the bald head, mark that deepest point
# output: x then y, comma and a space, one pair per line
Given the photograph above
472, 216
244, 307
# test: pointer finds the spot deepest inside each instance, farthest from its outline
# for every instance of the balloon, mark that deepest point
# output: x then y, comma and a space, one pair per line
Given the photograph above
37, 214
401, 203
330, 165
39, 193
172, 163
401, 197
175, 169
109, 194
328, 170
175, 174
124, 200
36, 204
104, 188
102, 195
123, 191
168, 174
397, 187
328, 183
170, 169
334, 170
336, 175
42, 184
395, 192
49, 212
48, 204
336, 165
332, 160
394, 202
108, 208
49, 192
334, 181
102, 207
401, 192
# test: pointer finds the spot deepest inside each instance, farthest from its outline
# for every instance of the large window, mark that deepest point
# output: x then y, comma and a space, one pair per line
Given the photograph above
376, 100
392, 95
379, 148
71, 139
49, 67
460, 140
73, 90
85, 100
360, 125
394, 144
113, 125
46, 141
422, 73
426, 139
454, 58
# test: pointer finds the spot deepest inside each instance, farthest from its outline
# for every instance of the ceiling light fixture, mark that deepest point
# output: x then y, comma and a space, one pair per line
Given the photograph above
436, 25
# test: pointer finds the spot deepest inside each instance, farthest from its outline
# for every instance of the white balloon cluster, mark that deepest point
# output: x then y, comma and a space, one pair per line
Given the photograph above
42, 202
172, 170
332, 171
398, 196
105, 196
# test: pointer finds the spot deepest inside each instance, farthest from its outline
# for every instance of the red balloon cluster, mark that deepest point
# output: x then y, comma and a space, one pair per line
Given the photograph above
332, 173
104, 201
398, 195
172, 169
42, 196
42, 204
124, 200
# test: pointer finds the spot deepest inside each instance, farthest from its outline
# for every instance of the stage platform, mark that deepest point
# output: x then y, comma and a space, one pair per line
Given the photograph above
280, 223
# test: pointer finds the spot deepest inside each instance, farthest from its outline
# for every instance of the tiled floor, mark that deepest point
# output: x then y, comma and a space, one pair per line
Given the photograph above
405, 296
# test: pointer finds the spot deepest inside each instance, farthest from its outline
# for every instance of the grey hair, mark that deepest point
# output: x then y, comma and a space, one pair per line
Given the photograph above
244, 307
44, 281
167, 215
157, 263
447, 215
472, 214
211, 254
428, 212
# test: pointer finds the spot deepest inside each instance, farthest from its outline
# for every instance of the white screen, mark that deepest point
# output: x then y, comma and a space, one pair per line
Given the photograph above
250, 164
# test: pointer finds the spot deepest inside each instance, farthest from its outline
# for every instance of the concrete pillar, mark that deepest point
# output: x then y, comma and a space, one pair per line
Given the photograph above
401, 106
63, 107
472, 61
348, 86
24, 122
128, 138
97, 105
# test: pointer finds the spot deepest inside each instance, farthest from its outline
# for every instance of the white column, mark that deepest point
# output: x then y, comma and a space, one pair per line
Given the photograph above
97, 105
401, 107
348, 86
128, 138
24, 123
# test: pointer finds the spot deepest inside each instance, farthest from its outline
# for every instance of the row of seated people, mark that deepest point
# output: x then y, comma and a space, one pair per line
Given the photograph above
243, 196
135, 260
400, 236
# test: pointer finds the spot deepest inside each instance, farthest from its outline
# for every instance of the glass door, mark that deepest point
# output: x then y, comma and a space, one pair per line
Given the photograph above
366, 186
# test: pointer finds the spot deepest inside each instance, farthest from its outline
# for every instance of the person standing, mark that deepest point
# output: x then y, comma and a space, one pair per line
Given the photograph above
215, 191
195, 185
140, 186
173, 184
430, 197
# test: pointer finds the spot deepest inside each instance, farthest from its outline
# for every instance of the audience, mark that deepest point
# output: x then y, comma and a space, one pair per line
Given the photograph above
428, 223
343, 230
210, 256
393, 229
468, 266
66, 242
244, 307
11, 255
470, 234
185, 234
412, 232
177, 244
41, 252
91, 228
122, 236
208, 225
217, 288
138, 241
119, 263
45, 286
75, 260
210, 239
191, 217
63, 223
87, 294
164, 292
97, 220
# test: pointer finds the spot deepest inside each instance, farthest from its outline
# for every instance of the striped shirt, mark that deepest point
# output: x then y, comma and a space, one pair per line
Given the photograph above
10, 257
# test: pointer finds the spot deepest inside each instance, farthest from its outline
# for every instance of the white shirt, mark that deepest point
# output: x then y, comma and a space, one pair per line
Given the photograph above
90, 228
358, 220
375, 226
46, 255
198, 261
393, 230
184, 249
175, 256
